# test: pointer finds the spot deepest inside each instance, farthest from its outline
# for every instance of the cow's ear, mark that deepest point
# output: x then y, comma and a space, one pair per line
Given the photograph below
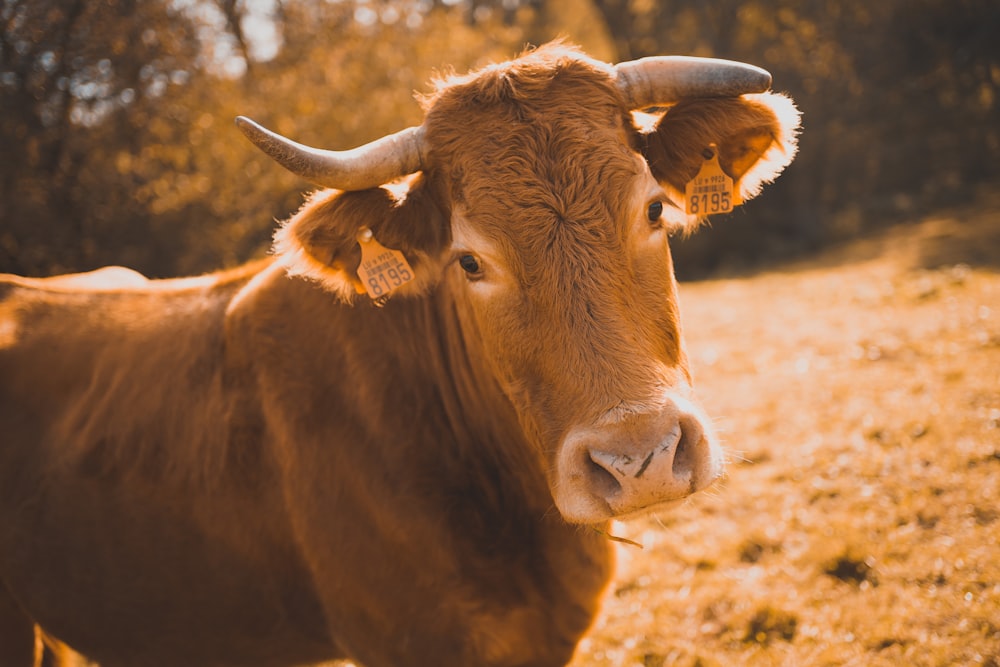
755, 136
321, 241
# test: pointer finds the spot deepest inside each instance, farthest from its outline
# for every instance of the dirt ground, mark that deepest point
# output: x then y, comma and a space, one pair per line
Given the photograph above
858, 395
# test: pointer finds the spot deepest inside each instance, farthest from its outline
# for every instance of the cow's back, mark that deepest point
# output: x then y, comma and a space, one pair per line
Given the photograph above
86, 366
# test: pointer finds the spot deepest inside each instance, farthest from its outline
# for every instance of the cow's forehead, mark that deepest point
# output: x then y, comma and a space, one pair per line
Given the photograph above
573, 170
549, 120
554, 165
553, 198
538, 155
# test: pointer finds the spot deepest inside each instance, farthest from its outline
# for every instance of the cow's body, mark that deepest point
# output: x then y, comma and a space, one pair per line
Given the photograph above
177, 470
245, 469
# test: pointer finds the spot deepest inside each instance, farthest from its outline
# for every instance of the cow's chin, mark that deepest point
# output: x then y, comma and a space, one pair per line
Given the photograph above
593, 487
588, 509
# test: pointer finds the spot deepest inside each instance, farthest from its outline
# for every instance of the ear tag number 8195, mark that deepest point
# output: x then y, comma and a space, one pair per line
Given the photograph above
382, 270
711, 191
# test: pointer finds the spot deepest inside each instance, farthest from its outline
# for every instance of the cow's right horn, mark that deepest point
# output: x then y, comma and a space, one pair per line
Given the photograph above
367, 166
658, 80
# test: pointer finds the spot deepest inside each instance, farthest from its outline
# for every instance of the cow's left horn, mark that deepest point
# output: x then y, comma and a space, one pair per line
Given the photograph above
648, 82
367, 166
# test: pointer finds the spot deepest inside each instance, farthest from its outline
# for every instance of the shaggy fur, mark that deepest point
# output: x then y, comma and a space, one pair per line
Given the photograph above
257, 468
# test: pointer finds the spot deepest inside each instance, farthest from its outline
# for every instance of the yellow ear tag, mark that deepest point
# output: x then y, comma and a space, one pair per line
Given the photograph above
382, 270
711, 191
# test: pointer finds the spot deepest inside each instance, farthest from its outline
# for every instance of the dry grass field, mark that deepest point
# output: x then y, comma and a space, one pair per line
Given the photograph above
859, 398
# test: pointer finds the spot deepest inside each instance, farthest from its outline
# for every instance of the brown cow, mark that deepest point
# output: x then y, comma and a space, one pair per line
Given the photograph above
258, 468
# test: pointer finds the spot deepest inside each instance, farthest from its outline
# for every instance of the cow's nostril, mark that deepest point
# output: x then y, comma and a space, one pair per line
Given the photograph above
683, 459
600, 468
686, 454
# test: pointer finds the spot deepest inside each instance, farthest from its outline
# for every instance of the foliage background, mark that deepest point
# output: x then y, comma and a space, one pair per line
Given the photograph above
117, 144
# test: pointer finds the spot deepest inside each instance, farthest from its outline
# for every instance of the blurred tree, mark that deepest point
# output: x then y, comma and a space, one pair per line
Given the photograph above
118, 118
118, 147
68, 70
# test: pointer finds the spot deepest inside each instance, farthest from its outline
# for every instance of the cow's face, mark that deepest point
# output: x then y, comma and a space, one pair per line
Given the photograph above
559, 250
545, 215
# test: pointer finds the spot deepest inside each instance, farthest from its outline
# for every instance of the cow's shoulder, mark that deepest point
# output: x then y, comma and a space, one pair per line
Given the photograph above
110, 368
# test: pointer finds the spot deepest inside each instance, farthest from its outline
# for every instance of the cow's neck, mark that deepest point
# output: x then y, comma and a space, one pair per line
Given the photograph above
573, 562
480, 416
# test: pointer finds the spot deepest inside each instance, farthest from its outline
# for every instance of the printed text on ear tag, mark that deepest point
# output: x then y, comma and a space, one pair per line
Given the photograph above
711, 191
382, 270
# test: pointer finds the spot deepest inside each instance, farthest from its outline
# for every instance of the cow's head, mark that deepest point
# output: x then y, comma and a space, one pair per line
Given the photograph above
544, 212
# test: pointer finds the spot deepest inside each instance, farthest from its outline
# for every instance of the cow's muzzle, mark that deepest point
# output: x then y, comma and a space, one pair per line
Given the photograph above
628, 466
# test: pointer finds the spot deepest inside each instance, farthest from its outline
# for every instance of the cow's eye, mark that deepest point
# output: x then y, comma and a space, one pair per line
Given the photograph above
654, 211
470, 265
